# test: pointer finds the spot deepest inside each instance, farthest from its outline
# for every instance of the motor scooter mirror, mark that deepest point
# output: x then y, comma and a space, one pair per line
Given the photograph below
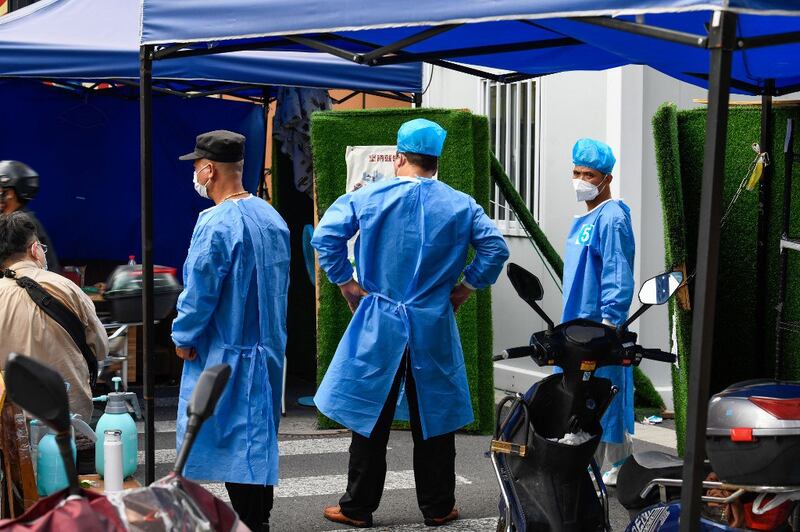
529, 288
38, 390
659, 289
201, 406
527, 285
655, 291
209, 388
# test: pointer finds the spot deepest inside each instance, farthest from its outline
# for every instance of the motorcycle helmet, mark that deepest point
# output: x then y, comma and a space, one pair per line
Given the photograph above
21, 177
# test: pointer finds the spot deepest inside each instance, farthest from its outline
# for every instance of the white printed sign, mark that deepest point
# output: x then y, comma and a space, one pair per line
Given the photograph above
369, 164
366, 165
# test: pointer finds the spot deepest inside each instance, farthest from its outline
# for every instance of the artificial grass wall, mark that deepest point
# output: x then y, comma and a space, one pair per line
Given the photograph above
737, 356
464, 165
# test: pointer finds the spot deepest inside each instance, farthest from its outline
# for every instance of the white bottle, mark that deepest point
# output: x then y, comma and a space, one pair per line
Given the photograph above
112, 456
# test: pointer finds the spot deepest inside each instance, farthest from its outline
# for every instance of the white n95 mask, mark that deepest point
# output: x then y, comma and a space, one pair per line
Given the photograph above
585, 191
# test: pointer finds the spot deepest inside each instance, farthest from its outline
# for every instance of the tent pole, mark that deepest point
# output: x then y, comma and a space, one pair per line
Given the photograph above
764, 198
146, 141
722, 38
262, 182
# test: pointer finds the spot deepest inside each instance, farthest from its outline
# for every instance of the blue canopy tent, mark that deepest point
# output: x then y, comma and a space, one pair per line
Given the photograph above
747, 46
98, 40
86, 45
77, 44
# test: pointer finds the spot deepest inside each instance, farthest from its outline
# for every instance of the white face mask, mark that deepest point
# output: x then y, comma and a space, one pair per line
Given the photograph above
200, 189
585, 191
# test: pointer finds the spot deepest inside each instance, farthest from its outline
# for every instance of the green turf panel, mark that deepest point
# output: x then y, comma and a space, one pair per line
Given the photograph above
679, 139
667, 151
646, 395
485, 333
465, 152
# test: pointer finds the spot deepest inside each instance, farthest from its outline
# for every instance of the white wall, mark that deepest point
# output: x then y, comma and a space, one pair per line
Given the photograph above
616, 106
448, 89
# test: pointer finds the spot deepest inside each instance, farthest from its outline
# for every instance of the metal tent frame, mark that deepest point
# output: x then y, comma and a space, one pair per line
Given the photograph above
721, 41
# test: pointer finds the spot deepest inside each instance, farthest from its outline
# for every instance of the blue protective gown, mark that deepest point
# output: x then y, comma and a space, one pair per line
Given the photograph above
412, 248
598, 285
233, 310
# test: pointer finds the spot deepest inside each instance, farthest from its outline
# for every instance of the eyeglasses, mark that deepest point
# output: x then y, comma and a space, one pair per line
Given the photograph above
44, 248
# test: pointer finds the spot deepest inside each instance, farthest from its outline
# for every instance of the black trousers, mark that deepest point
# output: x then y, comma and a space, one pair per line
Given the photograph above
434, 460
252, 503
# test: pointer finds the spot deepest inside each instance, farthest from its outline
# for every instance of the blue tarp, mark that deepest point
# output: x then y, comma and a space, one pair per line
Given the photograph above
168, 21
99, 39
85, 147
500, 22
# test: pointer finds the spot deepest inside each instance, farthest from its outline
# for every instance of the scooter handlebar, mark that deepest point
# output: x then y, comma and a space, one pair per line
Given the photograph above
658, 355
516, 352
501, 356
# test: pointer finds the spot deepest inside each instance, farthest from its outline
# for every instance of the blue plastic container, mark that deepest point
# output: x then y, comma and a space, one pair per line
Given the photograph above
51, 476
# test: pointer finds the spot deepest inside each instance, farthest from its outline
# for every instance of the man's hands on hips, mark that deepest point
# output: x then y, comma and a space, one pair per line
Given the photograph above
186, 353
353, 293
459, 295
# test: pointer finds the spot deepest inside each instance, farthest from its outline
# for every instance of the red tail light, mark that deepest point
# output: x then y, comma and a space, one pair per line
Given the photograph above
780, 408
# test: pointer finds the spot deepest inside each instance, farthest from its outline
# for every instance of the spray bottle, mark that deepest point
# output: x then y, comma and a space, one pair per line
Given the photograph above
50, 473
117, 417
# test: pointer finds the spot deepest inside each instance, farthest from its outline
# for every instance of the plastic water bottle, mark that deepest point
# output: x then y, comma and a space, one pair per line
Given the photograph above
116, 417
112, 451
131, 260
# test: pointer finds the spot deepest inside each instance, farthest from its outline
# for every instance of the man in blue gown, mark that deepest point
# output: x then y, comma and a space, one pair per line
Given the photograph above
233, 310
414, 236
598, 282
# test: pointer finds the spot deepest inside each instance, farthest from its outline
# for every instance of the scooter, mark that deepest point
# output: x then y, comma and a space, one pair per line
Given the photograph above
172, 503
543, 447
752, 443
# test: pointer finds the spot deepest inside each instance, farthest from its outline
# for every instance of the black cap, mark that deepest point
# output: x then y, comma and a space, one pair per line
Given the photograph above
221, 146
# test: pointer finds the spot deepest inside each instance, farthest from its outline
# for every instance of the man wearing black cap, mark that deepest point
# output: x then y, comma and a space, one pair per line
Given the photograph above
233, 311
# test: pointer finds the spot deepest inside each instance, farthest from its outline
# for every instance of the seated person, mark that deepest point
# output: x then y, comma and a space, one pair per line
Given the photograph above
26, 329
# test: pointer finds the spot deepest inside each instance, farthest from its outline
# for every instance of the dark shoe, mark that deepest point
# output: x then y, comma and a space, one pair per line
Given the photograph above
439, 521
334, 513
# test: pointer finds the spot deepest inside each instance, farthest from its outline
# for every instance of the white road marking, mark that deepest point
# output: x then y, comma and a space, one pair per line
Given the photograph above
285, 447
656, 435
163, 456
314, 446
161, 426
466, 525
327, 485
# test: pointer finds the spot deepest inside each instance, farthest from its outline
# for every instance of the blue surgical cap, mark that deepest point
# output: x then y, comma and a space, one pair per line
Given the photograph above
593, 154
421, 136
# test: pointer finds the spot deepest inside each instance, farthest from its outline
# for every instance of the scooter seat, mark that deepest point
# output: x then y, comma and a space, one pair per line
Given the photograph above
657, 460
638, 470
